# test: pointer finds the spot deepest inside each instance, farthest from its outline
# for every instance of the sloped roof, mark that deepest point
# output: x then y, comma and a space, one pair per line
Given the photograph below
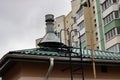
75, 53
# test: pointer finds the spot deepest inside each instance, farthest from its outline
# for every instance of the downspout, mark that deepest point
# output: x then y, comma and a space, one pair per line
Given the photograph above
50, 68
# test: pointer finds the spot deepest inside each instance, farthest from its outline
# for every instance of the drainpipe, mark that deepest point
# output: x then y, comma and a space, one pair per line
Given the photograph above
50, 68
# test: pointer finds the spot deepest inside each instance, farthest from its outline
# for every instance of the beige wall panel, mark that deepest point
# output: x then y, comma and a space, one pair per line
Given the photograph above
112, 42
37, 71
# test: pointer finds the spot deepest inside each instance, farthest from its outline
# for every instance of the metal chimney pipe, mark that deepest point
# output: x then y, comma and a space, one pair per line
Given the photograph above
49, 23
50, 39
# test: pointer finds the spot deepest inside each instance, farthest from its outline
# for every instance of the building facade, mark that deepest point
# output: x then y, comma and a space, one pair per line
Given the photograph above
110, 18
97, 21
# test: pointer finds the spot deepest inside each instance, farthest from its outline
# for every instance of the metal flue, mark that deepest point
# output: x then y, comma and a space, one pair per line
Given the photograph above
50, 39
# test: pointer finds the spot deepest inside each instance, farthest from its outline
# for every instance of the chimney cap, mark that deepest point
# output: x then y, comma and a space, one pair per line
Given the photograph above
49, 18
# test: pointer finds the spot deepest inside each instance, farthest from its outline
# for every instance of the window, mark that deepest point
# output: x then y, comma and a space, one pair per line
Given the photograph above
58, 25
79, 13
81, 25
116, 13
105, 5
74, 19
94, 9
108, 3
75, 31
114, 48
76, 44
112, 33
96, 33
104, 69
58, 34
110, 17
98, 47
95, 25
95, 20
96, 38
115, 1
82, 38
66, 21
118, 30
67, 31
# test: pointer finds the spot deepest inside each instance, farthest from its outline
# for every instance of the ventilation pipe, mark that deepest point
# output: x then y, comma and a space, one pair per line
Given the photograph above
50, 39
50, 68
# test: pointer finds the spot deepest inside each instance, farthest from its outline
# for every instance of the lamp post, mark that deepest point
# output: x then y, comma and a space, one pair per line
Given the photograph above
80, 52
69, 49
70, 44
81, 55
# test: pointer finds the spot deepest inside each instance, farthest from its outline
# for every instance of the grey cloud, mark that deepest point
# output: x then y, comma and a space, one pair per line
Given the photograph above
22, 21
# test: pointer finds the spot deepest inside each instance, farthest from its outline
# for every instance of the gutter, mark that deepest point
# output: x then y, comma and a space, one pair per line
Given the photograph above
50, 68
22, 57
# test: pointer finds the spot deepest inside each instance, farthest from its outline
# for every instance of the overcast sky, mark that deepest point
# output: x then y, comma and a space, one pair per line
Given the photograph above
22, 21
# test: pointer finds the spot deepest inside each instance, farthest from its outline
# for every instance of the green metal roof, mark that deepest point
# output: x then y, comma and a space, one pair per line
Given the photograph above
75, 53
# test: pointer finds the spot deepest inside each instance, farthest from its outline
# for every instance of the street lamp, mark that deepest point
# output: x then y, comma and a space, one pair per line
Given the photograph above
81, 55
79, 51
69, 49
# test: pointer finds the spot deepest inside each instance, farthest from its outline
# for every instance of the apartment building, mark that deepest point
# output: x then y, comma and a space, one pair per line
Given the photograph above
68, 26
110, 18
75, 4
62, 26
85, 20
97, 21
81, 23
